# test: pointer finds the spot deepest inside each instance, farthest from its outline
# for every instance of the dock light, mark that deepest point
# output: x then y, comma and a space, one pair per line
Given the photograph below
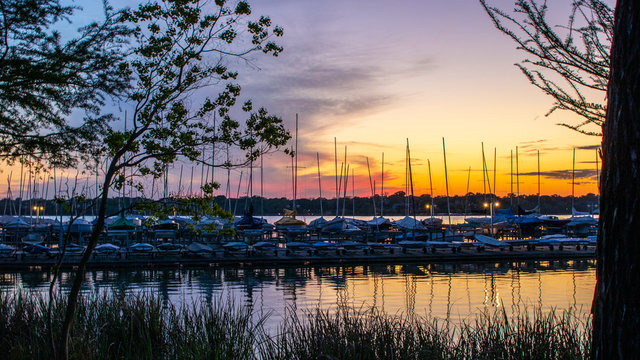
428, 207
497, 204
486, 205
37, 209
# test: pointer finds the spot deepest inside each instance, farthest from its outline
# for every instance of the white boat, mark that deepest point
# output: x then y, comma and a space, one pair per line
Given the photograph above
235, 246
199, 249
170, 249
141, 249
7, 251
379, 223
297, 246
106, 249
409, 223
74, 249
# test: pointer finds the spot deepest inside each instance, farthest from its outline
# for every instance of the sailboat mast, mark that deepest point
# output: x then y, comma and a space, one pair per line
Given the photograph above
153, 186
295, 180
539, 210
237, 195
353, 191
511, 175
382, 190
430, 188
213, 148
517, 179
597, 170
319, 184
8, 193
250, 184
228, 179
293, 175
261, 188
29, 193
573, 181
466, 195
406, 181
346, 182
202, 168
342, 167
191, 183
21, 184
335, 158
495, 190
55, 192
484, 177
413, 198
446, 180
372, 191
180, 181
598, 181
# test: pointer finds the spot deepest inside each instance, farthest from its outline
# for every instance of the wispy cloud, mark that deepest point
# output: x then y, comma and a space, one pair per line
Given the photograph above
564, 174
331, 84
588, 147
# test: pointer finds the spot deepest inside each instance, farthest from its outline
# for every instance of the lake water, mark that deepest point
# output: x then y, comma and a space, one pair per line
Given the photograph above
450, 291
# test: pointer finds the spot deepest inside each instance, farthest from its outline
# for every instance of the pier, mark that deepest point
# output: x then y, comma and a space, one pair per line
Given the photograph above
220, 258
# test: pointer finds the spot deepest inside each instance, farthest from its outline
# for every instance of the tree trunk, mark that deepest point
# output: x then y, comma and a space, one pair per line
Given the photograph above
616, 306
80, 272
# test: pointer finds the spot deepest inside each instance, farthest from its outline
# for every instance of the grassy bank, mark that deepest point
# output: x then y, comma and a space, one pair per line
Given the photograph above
139, 327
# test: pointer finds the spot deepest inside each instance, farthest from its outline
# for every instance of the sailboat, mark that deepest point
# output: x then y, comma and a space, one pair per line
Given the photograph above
581, 223
409, 223
378, 223
288, 224
318, 223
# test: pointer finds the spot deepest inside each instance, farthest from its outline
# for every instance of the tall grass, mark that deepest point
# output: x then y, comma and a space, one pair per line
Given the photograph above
114, 326
129, 327
350, 333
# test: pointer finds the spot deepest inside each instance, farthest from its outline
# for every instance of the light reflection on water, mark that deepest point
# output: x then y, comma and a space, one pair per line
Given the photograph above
446, 291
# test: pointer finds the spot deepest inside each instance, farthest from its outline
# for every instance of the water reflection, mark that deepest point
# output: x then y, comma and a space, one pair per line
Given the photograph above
448, 291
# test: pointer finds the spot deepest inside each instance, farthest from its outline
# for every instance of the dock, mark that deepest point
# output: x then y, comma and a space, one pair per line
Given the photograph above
280, 257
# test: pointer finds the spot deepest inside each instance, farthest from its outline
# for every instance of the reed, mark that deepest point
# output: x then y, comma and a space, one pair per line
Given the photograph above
350, 333
116, 326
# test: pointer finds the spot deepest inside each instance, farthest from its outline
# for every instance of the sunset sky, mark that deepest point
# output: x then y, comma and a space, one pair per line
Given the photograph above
375, 73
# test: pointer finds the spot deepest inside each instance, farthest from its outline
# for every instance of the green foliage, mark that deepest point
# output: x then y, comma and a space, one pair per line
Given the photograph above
43, 79
181, 47
155, 57
198, 208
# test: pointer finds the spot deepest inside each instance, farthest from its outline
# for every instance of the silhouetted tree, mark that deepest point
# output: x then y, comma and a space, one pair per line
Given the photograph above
569, 63
43, 79
616, 306
179, 47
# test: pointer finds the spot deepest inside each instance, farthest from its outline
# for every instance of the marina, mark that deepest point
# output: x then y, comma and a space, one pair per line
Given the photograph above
125, 244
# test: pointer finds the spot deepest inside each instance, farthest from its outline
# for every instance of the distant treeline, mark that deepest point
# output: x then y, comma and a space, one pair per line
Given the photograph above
396, 204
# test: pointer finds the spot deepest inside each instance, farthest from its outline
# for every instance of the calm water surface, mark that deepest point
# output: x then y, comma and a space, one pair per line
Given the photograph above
446, 291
